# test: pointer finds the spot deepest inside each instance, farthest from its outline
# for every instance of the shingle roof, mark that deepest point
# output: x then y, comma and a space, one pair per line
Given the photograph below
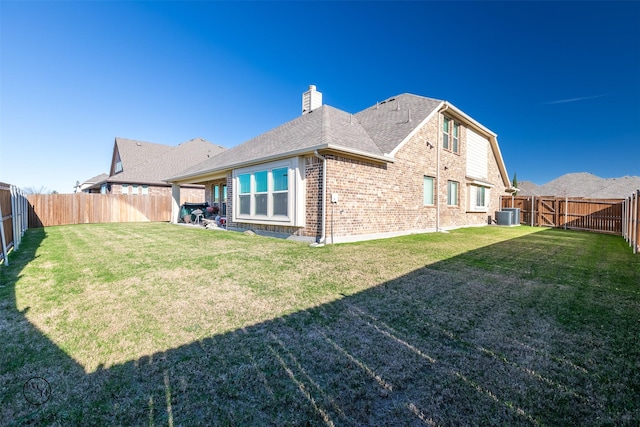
389, 122
373, 132
96, 179
528, 188
149, 163
585, 185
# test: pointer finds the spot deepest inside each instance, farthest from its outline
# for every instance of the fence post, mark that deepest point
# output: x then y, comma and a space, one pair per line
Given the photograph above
636, 214
533, 208
5, 255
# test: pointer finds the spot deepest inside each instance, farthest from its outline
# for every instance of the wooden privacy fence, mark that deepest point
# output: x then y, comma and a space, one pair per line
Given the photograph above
603, 216
84, 208
615, 216
13, 214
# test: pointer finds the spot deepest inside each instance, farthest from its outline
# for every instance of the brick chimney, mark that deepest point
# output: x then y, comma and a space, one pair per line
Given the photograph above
311, 99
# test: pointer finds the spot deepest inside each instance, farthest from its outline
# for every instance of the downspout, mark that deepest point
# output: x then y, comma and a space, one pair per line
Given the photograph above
324, 197
439, 143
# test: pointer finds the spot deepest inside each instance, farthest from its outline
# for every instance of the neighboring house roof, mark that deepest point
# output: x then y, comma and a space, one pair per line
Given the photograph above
95, 180
147, 163
375, 133
585, 185
528, 188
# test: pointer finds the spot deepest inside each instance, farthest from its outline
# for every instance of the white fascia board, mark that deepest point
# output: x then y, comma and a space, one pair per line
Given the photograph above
493, 140
215, 173
384, 158
416, 129
470, 121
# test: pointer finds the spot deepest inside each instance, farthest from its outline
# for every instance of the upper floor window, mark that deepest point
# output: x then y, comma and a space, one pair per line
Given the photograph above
450, 135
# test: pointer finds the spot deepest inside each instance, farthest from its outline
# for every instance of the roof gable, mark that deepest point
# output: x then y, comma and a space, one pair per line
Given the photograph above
146, 162
391, 121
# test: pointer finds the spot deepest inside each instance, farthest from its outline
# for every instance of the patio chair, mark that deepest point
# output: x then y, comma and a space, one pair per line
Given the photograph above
198, 216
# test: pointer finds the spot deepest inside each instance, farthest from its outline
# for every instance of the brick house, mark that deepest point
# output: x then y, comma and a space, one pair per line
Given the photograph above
137, 168
408, 164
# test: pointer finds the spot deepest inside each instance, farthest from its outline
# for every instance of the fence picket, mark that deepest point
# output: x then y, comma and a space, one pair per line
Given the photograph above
614, 216
83, 208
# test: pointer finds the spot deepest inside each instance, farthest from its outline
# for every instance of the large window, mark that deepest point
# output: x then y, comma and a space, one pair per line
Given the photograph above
428, 191
452, 193
450, 135
267, 193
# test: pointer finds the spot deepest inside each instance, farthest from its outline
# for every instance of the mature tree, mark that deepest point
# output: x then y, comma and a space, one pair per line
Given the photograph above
38, 190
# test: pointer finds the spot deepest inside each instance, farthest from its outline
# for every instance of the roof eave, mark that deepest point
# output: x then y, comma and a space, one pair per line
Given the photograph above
205, 175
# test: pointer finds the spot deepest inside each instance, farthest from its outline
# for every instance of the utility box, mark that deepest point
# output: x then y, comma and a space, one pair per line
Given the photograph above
504, 217
515, 219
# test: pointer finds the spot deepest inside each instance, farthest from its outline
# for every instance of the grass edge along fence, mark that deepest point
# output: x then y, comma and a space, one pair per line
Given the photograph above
614, 216
14, 207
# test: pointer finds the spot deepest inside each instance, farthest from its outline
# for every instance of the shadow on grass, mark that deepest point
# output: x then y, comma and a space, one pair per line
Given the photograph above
484, 338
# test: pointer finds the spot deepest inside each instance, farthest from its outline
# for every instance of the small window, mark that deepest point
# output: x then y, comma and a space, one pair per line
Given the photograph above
134, 189
260, 195
478, 198
245, 194
452, 193
280, 191
145, 190
446, 124
456, 133
428, 191
125, 188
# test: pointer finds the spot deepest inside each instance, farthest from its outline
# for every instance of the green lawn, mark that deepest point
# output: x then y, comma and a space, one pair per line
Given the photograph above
155, 324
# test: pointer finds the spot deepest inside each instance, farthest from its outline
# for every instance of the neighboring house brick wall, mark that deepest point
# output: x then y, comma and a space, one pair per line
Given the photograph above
187, 194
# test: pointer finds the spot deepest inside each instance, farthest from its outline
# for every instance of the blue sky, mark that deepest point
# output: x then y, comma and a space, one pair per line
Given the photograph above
559, 82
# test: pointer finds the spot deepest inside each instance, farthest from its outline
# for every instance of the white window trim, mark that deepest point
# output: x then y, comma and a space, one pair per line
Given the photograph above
125, 189
296, 198
473, 206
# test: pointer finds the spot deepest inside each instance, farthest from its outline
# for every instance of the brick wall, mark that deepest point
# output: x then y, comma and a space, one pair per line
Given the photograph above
388, 198
187, 194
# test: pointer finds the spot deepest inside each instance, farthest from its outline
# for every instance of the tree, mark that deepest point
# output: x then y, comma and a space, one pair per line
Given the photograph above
41, 190
514, 182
